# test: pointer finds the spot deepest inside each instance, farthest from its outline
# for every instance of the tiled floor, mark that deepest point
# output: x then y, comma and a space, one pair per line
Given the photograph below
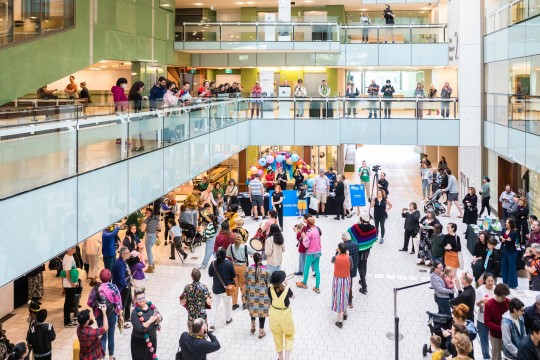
364, 333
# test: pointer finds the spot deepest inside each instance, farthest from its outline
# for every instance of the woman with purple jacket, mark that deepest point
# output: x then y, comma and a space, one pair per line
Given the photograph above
136, 266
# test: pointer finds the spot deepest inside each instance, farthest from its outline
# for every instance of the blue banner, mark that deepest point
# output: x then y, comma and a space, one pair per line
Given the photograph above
358, 195
290, 202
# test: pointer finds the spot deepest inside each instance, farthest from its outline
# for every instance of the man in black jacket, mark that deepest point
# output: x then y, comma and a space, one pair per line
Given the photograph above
529, 347
195, 346
532, 314
466, 296
40, 336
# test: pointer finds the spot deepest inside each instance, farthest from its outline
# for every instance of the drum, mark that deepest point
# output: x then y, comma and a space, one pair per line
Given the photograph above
256, 244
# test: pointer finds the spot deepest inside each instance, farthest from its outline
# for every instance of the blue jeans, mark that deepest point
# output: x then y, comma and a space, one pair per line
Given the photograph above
508, 269
445, 109
270, 269
108, 262
483, 334
149, 242
444, 305
425, 188
109, 334
208, 251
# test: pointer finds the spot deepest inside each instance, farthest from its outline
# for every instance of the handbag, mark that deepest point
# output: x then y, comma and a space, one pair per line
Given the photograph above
314, 203
229, 289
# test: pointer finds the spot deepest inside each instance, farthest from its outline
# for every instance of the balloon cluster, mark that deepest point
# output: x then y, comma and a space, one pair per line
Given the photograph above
285, 160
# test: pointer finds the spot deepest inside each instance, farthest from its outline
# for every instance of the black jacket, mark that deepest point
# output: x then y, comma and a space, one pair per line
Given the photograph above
196, 349
494, 262
527, 350
411, 220
225, 269
530, 315
40, 337
384, 185
467, 297
340, 190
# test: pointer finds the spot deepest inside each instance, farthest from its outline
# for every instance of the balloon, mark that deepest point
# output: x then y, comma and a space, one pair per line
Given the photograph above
295, 157
311, 176
289, 161
312, 171
262, 162
287, 155
310, 182
260, 172
269, 159
249, 173
300, 167
280, 158
308, 167
253, 169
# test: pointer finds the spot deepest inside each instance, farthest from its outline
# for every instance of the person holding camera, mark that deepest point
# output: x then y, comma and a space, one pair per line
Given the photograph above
152, 227
388, 93
89, 337
383, 183
194, 345
388, 16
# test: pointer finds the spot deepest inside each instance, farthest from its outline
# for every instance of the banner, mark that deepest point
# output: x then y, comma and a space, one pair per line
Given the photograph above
290, 202
358, 195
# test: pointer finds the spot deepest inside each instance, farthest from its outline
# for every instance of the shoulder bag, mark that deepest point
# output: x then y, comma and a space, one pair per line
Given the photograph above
229, 289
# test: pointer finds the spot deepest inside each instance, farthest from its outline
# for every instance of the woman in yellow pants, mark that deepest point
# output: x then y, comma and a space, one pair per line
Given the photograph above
280, 315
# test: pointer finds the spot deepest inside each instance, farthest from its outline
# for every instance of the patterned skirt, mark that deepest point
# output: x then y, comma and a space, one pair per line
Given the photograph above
35, 286
340, 293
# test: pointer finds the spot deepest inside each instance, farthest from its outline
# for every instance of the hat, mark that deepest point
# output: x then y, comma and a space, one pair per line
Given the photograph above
364, 216
105, 275
239, 221
166, 200
277, 277
134, 253
346, 236
321, 170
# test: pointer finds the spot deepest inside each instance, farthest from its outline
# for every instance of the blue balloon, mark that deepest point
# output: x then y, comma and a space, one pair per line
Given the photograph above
310, 182
262, 162
280, 158
294, 158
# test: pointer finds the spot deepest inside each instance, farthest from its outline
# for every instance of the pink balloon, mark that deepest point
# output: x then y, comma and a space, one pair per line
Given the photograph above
287, 155
260, 172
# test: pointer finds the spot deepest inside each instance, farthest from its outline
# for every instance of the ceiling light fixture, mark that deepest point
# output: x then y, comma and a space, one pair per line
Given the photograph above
198, 4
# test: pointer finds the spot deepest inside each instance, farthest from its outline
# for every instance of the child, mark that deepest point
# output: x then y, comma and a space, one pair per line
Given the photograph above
220, 211
436, 352
449, 276
136, 266
528, 258
302, 203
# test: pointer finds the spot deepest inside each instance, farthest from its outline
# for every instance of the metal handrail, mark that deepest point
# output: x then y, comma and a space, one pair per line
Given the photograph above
273, 23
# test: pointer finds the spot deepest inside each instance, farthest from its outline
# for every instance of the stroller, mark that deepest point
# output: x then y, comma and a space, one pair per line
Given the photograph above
190, 236
436, 324
433, 204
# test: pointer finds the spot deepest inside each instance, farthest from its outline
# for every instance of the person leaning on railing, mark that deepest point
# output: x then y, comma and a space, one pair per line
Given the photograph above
351, 93
446, 92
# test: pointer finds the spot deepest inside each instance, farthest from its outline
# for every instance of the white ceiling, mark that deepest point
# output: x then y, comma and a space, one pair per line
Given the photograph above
350, 5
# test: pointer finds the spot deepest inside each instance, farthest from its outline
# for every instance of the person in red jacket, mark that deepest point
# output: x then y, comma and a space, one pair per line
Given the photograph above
493, 312
224, 238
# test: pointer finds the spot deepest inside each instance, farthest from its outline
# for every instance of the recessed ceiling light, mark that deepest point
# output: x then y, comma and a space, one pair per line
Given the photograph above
103, 66
308, 1
198, 4
166, 5
239, 3
424, 8
363, 9
250, 2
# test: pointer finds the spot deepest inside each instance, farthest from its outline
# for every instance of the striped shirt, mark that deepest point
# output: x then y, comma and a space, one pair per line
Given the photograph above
256, 187
152, 223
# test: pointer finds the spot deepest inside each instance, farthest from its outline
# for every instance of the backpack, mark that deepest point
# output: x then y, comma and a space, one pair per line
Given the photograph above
473, 332
103, 300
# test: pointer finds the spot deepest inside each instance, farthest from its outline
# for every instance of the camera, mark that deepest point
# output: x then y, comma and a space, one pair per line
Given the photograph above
376, 168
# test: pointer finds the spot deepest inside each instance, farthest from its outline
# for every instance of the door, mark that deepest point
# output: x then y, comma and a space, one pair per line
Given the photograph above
312, 82
509, 173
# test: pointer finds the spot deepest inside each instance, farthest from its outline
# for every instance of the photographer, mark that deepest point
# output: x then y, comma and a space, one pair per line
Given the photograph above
89, 337
388, 16
383, 183
195, 345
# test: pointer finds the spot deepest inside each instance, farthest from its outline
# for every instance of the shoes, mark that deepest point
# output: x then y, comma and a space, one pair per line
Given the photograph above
339, 324
185, 256
421, 262
256, 218
350, 216
172, 258
402, 249
149, 270
299, 217
412, 252
261, 333
166, 243
314, 275
350, 306
317, 290
264, 217
236, 306
345, 316
71, 324
325, 215
299, 273
336, 218
381, 241
363, 291
228, 321
253, 328
301, 285
317, 216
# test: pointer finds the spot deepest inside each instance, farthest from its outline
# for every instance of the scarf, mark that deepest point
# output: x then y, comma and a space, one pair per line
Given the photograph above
364, 239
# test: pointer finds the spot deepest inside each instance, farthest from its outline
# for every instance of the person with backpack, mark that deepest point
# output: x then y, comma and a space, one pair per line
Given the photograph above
106, 294
40, 336
364, 235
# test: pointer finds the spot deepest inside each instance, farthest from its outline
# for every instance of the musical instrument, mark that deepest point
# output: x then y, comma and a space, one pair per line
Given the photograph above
257, 241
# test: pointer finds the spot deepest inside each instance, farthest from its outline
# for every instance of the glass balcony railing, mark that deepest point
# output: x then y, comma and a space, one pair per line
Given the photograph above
311, 32
51, 144
520, 112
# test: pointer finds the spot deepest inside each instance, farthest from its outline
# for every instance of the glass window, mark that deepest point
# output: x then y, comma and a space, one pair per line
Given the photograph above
25, 19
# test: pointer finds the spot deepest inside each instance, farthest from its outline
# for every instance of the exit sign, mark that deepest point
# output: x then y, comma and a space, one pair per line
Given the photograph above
192, 71
228, 71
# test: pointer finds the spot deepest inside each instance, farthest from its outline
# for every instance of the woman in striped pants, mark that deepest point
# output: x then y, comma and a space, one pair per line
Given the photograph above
341, 283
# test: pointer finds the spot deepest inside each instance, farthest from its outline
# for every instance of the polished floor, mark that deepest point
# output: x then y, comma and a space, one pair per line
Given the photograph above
364, 333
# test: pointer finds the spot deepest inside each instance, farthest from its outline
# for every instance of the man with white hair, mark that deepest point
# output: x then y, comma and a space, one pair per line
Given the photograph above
532, 314
354, 253
467, 295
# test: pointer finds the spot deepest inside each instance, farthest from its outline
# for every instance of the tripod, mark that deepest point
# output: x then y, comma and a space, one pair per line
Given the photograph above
373, 187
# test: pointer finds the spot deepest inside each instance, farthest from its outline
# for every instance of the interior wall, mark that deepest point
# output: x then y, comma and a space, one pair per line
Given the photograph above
441, 75
95, 80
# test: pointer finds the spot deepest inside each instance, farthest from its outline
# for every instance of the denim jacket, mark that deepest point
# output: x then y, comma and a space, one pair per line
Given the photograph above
510, 335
